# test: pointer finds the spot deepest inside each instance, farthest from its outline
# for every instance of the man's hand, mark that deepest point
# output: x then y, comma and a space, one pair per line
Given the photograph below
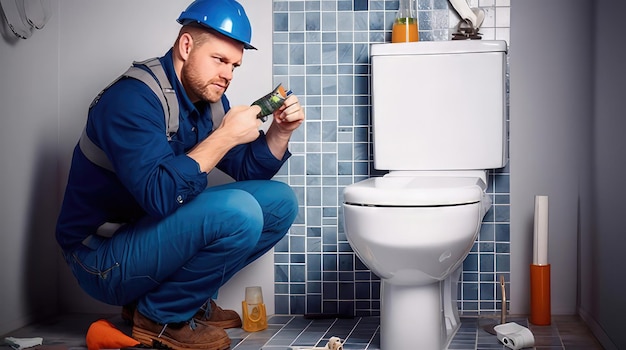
289, 116
286, 119
240, 124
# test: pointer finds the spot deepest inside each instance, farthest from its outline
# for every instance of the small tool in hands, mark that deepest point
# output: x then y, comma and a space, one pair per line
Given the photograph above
271, 102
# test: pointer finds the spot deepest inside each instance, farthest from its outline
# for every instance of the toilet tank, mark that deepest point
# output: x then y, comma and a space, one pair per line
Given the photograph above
439, 105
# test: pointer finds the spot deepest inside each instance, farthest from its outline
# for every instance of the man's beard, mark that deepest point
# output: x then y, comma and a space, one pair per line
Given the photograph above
203, 90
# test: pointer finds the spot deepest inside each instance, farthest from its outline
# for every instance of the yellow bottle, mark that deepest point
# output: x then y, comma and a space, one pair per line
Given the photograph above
254, 314
405, 28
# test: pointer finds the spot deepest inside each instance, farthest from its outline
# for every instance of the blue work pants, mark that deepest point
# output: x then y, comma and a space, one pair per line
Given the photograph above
172, 266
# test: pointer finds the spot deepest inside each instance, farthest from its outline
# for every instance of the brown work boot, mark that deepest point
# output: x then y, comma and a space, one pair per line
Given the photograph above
218, 317
185, 336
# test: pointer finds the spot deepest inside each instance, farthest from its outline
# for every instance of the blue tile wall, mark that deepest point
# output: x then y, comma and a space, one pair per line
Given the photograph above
321, 52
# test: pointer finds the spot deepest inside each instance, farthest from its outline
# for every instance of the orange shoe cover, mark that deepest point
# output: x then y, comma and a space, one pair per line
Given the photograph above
102, 334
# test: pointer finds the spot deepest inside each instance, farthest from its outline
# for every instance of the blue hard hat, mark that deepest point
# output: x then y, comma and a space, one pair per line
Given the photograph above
225, 16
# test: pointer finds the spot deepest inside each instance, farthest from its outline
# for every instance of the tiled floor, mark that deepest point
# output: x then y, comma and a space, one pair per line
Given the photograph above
296, 332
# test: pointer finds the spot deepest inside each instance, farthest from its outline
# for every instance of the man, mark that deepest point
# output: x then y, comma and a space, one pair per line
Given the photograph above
175, 241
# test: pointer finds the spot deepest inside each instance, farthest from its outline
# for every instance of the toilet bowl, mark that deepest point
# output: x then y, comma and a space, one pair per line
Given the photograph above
414, 226
414, 230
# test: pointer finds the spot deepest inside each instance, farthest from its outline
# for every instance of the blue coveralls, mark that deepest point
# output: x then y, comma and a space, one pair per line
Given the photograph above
180, 240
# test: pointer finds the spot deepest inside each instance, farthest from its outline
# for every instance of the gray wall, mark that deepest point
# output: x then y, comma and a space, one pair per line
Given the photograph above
550, 111
29, 108
603, 241
567, 139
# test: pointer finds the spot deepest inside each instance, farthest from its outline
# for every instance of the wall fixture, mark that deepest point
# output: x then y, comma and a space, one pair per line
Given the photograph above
24, 15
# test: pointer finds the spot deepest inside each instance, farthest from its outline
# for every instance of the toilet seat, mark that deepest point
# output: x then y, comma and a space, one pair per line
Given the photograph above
415, 191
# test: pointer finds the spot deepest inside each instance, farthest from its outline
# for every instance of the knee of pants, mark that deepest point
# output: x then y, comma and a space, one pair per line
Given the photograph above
241, 217
287, 202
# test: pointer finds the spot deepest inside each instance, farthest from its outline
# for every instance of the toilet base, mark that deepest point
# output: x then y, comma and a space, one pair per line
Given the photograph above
411, 317
450, 304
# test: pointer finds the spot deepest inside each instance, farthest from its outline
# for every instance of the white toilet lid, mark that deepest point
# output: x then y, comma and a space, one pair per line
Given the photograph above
415, 191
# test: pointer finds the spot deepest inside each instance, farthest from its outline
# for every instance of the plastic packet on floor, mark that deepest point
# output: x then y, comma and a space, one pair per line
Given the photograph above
514, 336
334, 343
23, 343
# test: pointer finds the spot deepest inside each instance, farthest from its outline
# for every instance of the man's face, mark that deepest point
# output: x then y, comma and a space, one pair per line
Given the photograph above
207, 72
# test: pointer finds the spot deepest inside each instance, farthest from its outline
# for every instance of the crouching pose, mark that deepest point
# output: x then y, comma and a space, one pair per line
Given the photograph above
139, 227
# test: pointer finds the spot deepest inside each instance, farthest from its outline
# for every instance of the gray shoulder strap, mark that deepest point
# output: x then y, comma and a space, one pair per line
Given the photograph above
169, 102
162, 85
217, 113
94, 153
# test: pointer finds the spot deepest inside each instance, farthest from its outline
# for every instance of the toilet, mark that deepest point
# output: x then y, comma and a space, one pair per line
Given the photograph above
439, 124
